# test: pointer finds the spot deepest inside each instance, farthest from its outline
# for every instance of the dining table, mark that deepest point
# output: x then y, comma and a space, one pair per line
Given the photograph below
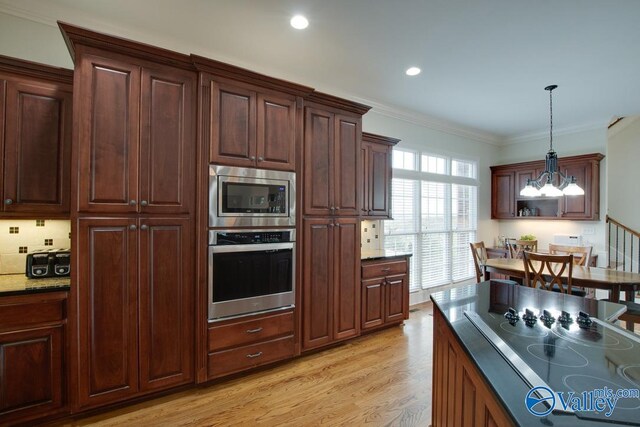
587, 277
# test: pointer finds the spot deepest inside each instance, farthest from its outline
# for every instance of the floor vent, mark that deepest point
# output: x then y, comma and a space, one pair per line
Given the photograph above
413, 310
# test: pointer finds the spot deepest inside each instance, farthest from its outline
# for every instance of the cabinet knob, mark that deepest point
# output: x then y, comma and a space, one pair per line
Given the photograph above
143, 203
144, 227
132, 227
331, 224
252, 158
8, 201
337, 209
260, 159
337, 224
132, 202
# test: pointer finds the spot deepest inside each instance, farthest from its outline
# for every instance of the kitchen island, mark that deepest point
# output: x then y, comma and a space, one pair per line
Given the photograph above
476, 382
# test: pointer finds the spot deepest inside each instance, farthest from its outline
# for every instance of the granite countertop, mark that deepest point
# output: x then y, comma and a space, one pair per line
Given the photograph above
14, 284
506, 382
382, 253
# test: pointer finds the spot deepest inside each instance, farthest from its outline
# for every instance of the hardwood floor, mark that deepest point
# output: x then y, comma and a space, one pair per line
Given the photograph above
379, 380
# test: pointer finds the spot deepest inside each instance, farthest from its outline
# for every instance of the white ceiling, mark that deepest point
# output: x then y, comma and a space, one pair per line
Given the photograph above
484, 63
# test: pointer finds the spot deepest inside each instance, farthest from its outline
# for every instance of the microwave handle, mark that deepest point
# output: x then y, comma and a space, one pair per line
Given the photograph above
250, 248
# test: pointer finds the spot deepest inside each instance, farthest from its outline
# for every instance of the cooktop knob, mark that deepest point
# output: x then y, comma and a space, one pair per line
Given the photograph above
547, 318
512, 315
529, 318
584, 321
565, 317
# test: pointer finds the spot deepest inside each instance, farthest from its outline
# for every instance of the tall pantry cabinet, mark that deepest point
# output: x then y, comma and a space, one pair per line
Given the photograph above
132, 215
330, 225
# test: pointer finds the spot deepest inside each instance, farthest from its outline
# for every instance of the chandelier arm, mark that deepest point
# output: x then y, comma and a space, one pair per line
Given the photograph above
538, 180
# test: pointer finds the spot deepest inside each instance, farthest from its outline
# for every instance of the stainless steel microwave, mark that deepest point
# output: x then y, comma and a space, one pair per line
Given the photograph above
249, 197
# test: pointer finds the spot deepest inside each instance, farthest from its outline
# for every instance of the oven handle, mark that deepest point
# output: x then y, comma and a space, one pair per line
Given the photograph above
250, 248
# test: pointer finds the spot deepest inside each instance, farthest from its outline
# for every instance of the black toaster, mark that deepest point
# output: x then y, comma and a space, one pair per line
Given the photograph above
52, 263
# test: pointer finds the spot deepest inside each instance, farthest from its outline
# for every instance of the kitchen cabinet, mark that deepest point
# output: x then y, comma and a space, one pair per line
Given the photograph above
136, 299
243, 343
508, 180
35, 139
376, 154
135, 134
33, 366
385, 293
461, 396
331, 283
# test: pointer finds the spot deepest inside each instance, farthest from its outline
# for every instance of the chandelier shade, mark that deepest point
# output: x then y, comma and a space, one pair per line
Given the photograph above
551, 182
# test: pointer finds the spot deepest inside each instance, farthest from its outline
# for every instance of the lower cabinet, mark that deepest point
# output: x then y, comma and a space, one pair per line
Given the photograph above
135, 290
239, 344
331, 281
385, 293
32, 357
460, 395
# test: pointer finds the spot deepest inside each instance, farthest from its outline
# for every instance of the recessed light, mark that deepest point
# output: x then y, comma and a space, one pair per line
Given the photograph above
299, 22
413, 71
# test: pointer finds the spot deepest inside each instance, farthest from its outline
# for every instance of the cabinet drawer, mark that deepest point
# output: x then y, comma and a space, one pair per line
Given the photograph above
245, 332
32, 310
238, 359
381, 269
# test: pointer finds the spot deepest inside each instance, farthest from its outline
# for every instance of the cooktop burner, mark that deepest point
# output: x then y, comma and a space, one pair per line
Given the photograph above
563, 348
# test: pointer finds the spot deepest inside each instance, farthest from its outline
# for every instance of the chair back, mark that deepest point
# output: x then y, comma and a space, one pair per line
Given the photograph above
479, 253
516, 249
544, 271
581, 254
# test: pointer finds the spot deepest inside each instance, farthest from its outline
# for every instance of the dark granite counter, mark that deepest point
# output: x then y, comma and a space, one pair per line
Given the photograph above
19, 284
382, 254
611, 350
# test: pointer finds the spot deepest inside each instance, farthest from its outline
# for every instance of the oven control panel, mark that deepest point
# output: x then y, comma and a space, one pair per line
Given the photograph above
223, 237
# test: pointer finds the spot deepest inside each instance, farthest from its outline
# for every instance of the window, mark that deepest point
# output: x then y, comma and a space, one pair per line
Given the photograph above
434, 207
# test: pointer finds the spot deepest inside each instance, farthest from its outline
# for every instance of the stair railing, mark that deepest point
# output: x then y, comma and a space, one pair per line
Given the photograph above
623, 251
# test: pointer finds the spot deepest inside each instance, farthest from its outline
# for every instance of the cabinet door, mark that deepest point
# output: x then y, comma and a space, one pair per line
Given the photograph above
166, 303
347, 165
232, 125
107, 117
37, 147
395, 302
372, 303
107, 292
276, 132
580, 207
31, 373
346, 285
380, 181
502, 192
167, 141
318, 162
521, 177
318, 261
365, 148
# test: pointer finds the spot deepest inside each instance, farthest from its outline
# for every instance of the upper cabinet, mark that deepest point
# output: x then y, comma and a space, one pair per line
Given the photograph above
508, 180
35, 138
136, 134
376, 177
249, 120
332, 171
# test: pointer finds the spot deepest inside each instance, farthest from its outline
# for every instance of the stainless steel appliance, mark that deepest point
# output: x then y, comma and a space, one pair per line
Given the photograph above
248, 197
52, 263
250, 271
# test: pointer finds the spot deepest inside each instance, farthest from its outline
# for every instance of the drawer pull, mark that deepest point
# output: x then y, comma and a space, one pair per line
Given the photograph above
384, 270
251, 356
254, 331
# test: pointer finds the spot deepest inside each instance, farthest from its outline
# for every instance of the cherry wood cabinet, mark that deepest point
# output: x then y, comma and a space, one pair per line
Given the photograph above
331, 283
135, 299
508, 180
135, 138
461, 396
376, 160
33, 365
385, 293
35, 138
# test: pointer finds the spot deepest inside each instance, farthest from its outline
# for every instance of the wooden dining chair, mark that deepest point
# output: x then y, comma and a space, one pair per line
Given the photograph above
581, 254
516, 249
548, 271
479, 253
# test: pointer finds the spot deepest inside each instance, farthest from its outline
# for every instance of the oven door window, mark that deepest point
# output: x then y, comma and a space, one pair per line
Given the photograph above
253, 198
238, 275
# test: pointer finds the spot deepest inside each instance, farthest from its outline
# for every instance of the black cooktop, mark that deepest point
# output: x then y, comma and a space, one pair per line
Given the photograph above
558, 342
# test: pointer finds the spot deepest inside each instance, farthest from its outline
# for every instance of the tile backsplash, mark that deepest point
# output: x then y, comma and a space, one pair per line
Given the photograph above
370, 234
18, 237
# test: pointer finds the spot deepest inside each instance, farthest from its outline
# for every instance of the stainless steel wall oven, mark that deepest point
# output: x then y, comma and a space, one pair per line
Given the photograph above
250, 271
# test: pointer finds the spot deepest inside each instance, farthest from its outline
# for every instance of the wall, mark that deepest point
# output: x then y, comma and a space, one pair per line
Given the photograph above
20, 236
565, 144
623, 150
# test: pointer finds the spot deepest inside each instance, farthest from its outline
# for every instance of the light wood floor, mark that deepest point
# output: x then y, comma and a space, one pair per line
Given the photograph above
378, 380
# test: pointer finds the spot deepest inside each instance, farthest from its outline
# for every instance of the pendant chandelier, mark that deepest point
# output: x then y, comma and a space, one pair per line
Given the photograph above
544, 184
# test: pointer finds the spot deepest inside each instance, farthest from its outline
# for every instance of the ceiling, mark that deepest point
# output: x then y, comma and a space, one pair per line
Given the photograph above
484, 63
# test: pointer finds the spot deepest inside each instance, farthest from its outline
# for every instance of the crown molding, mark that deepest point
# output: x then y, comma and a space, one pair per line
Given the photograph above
621, 125
535, 136
27, 14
